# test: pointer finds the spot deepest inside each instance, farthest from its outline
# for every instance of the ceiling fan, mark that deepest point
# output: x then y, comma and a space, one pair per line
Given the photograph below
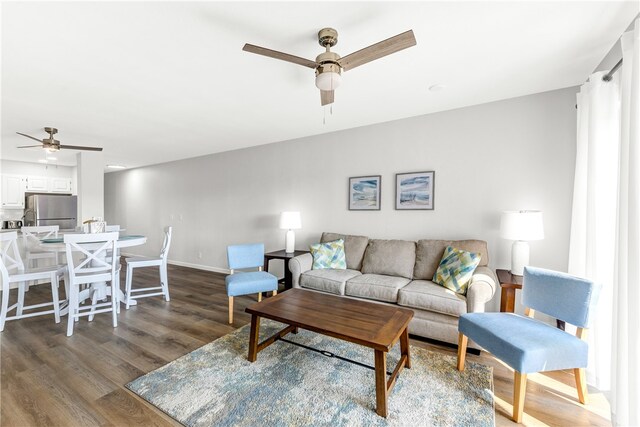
52, 145
329, 65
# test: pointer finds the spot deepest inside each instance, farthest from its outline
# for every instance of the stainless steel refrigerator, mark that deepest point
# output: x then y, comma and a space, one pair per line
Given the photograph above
54, 209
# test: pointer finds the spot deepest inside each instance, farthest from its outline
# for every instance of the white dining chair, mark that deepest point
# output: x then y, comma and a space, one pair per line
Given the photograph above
31, 236
160, 262
15, 276
94, 269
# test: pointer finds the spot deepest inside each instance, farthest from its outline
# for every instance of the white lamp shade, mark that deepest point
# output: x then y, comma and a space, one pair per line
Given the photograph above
328, 80
521, 225
290, 220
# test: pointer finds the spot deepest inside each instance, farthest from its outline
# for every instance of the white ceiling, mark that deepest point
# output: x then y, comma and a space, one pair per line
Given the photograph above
154, 81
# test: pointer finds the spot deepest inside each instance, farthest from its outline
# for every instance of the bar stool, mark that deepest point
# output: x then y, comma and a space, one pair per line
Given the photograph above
160, 262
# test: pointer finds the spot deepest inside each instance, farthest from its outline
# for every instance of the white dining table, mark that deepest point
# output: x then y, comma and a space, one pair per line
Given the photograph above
124, 241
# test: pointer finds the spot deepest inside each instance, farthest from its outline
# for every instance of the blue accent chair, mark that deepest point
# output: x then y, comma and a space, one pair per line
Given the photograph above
244, 283
528, 345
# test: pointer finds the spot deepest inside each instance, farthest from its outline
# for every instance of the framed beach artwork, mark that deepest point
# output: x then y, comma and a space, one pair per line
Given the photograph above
364, 193
414, 190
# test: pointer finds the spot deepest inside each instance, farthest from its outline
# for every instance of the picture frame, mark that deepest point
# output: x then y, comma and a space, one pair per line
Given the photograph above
364, 193
415, 190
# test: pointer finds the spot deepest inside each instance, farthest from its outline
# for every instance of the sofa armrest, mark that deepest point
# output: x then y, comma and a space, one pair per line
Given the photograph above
481, 289
298, 265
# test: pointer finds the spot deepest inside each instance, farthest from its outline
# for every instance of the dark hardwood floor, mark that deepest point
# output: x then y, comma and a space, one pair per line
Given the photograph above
49, 379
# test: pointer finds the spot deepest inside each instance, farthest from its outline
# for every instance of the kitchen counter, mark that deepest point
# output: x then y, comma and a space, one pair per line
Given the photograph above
7, 230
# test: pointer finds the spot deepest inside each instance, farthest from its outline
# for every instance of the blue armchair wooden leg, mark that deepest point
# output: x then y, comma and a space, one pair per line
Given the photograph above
519, 390
462, 350
259, 296
581, 385
275, 292
230, 310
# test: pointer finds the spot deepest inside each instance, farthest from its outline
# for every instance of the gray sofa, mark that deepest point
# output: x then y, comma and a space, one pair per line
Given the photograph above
400, 272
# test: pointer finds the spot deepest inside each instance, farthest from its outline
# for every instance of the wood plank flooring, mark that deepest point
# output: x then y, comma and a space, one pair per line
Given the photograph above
49, 379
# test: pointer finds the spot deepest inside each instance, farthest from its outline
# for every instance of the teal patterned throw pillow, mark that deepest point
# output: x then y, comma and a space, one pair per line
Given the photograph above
329, 255
456, 268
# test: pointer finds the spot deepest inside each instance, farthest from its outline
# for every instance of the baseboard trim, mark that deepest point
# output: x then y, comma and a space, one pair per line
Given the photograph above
188, 264
200, 267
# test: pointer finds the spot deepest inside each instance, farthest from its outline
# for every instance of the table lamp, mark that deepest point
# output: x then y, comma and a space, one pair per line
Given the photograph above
521, 227
290, 221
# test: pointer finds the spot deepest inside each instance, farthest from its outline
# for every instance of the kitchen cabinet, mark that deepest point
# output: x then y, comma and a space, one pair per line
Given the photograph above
60, 185
37, 184
13, 188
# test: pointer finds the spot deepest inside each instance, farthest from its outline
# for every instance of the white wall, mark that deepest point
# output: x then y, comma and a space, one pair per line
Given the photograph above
90, 178
512, 154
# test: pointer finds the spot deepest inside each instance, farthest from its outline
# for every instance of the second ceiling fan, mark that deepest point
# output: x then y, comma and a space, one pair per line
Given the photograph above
329, 65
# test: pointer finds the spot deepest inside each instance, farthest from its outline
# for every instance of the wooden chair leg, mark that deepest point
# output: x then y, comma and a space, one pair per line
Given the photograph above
519, 390
114, 304
5, 306
55, 298
22, 288
275, 292
581, 385
127, 286
117, 284
230, 310
259, 296
165, 282
66, 284
94, 301
462, 350
73, 307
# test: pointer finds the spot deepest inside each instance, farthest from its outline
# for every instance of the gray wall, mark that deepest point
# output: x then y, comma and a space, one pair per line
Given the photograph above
512, 154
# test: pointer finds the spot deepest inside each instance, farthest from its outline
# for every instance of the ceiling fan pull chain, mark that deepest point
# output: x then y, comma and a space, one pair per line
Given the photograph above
324, 116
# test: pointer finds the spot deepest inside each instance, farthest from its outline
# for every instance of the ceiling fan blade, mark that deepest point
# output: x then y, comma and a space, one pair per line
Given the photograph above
30, 146
78, 147
29, 136
378, 50
279, 55
326, 97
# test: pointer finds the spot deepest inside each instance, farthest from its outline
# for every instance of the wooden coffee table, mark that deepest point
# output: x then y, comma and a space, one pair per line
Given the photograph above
376, 326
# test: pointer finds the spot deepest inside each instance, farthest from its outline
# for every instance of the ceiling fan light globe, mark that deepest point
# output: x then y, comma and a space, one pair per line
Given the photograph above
328, 80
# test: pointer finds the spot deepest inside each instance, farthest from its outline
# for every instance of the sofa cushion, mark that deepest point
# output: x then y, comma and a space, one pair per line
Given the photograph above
376, 286
354, 247
426, 295
328, 255
429, 253
390, 257
327, 280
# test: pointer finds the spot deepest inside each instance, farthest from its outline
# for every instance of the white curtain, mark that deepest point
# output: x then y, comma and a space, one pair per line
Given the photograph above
605, 227
593, 222
625, 393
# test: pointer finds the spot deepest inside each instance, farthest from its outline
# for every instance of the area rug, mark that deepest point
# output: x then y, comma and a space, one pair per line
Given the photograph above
290, 385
